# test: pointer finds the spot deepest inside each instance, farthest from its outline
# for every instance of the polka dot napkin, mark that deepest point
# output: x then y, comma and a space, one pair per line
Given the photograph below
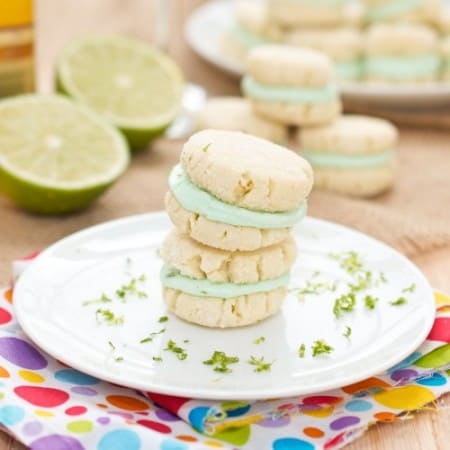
47, 405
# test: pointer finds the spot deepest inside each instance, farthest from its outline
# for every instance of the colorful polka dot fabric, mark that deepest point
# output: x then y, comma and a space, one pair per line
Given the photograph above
47, 405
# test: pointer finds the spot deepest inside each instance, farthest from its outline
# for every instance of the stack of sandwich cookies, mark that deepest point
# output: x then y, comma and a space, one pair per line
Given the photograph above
307, 13
355, 155
402, 53
421, 11
217, 288
291, 85
233, 200
342, 45
236, 114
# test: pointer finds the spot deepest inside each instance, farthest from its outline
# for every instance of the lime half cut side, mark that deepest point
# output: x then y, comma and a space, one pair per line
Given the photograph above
135, 86
56, 156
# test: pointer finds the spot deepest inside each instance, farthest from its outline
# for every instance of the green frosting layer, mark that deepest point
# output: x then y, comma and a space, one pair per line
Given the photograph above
201, 202
391, 9
204, 288
351, 70
339, 161
290, 94
246, 38
402, 68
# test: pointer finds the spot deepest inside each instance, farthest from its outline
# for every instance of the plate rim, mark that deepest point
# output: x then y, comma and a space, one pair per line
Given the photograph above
209, 393
379, 93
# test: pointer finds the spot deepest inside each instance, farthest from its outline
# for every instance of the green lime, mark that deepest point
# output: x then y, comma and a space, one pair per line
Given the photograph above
136, 87
56, 156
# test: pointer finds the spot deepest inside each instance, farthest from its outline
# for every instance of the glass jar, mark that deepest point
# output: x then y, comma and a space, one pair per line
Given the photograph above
16, 47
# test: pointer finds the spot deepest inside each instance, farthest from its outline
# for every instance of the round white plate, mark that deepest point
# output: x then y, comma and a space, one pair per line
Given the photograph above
48, 301
208, 23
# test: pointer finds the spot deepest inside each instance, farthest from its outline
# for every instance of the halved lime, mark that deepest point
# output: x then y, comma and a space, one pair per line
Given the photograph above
136, 87
56, 156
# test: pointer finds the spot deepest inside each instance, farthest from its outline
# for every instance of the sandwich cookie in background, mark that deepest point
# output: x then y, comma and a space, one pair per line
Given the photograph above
422, 11
291, 85
236, 114
307, 13
402, 53
234, 191
251, 28
445, 58
217, 288
342, 45
355, 155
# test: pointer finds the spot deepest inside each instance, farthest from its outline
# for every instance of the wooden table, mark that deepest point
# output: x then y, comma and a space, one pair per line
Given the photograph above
59, 20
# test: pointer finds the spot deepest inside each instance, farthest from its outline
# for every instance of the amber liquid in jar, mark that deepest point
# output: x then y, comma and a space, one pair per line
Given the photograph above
16, 47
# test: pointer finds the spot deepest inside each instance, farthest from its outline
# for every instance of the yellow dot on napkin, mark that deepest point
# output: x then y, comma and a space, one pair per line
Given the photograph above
31, 377
42, 413
406, 398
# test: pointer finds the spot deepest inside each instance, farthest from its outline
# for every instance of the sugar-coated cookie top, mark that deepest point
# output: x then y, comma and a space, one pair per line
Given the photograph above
246, 171
401, 39
351, 135
195, 260
236, 114
340, 44
285, 65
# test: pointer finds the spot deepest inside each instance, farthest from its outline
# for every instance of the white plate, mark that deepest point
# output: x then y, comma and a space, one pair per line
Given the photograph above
208, 23
48, 301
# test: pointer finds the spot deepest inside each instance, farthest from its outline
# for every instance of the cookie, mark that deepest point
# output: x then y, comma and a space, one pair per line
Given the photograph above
401, 53
251, 28
421, 11
291, 85
195, 260
307, 13
355, 155
224, 313
246, 171
236, 114
342, 45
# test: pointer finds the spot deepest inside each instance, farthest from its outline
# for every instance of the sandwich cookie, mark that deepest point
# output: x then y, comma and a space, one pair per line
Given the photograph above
342, 45
421, 11
217, 288
234, 191
307, 13
291, 85
236, 114
251, 28
355, 155
401, 53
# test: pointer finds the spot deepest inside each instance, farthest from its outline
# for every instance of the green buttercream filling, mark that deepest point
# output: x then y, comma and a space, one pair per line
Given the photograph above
246, 38
194, 199
290, 94
399, 68
392, 9
171, 278
339, 161
351, 70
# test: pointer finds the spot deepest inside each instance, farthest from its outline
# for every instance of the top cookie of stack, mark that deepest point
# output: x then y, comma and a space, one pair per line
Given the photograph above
234, 191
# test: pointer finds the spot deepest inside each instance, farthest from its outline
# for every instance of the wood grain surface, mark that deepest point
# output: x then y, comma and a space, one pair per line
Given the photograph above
59, 20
